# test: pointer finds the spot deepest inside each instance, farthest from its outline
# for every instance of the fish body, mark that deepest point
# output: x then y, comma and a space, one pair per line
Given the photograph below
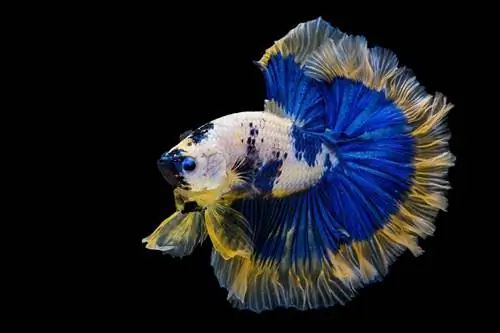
268, 142
313, 197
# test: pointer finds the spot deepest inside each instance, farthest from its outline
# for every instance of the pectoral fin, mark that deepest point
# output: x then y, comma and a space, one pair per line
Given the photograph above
229, 231
178, 235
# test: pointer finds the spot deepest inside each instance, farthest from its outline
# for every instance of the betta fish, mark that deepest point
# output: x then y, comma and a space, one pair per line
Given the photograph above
315, 196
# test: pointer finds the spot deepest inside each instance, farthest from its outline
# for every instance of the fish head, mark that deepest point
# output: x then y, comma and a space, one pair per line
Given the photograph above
196, 164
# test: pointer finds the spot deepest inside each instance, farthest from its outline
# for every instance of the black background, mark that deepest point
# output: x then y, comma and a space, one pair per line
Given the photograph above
161, 71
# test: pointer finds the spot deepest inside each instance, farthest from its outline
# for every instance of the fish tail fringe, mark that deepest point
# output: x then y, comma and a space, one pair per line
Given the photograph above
262, 285
302, 40
377, 68
335, 279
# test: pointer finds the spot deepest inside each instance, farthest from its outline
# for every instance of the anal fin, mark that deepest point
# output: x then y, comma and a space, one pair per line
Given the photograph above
228, 231
291, 265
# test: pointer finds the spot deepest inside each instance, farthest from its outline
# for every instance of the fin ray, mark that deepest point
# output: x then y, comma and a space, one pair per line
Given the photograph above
302, 40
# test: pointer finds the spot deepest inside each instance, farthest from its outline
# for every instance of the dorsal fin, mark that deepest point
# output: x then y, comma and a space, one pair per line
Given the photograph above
298, 95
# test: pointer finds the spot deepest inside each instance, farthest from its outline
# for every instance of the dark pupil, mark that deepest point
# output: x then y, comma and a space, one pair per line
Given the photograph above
188, 164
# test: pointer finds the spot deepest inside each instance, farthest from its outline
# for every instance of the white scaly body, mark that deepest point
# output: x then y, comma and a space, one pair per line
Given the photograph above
272, 138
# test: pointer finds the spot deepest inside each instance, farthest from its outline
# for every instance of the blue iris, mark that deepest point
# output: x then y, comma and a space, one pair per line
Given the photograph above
188, 164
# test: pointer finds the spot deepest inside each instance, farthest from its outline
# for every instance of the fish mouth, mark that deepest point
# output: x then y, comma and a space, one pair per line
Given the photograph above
169, 171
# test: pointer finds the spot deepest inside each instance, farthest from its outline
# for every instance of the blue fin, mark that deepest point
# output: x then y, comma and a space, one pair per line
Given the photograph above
295, 238
375, 150
298, 95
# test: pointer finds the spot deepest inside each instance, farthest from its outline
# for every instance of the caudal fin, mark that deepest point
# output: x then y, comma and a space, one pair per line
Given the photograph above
384, 181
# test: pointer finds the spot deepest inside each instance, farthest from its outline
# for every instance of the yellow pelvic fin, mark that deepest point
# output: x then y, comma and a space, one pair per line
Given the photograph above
178, 235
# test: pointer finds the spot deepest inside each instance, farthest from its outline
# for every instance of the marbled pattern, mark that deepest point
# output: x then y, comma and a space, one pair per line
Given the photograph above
268, 139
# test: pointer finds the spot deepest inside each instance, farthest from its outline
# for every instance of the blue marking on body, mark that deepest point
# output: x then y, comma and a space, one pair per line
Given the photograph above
267, 174
328, 162
200, 133
306, 145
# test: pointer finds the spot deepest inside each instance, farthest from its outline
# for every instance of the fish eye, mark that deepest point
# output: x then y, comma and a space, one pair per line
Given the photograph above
188, 164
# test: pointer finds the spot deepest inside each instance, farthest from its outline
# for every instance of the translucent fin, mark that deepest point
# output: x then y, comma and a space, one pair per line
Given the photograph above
384, 64
229, 231
302, 40
242, 174
178, 235
347, 57
259, 287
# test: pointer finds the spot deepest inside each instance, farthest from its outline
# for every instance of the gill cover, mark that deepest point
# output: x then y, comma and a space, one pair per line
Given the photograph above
200, 159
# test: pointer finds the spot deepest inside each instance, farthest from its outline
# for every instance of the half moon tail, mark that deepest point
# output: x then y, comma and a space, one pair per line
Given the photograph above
386, 159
